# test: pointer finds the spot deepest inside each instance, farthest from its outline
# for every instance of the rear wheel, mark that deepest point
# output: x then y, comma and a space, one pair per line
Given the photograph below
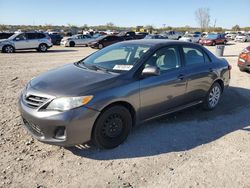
8, 49
72, 44
112, 127
213, 44
42, 48
213, 97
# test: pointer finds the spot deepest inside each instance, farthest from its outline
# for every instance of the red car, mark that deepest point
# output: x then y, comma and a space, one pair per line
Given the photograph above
244, 60
213, 39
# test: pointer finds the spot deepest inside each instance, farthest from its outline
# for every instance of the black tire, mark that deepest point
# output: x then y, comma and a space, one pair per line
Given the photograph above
242, 69
214, 43
112, 127
42, 47
8, 49
72, 44
208, 103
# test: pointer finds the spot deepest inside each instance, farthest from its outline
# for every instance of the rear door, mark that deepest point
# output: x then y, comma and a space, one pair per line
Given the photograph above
158, 94
200, 72
33, 40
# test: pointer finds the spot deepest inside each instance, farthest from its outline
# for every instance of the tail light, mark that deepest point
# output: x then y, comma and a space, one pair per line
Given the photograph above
242, 58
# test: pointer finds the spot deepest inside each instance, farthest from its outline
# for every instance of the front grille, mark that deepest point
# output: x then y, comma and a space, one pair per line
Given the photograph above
35, 101
33, 128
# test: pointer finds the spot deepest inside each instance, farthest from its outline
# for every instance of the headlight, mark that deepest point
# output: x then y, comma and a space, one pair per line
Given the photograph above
67, 103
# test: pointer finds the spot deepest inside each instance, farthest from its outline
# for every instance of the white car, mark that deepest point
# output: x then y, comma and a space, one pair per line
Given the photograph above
191, 38
26, 40
76, 40
231, 36
242, 38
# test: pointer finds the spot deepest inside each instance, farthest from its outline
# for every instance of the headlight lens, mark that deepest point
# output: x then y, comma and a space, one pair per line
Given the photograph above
67, 103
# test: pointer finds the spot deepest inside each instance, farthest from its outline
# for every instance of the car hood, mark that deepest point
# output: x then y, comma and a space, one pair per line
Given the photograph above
3, 40
70, 80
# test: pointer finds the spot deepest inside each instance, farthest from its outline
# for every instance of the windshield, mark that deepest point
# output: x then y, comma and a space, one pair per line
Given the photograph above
116, 58
211, 36
14, 36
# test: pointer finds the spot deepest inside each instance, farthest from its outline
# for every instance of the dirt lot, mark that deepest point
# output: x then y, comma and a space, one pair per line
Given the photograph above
192, 148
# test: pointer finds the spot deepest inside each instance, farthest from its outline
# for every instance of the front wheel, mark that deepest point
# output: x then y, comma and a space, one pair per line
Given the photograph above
112, 127
213, 97
8, 49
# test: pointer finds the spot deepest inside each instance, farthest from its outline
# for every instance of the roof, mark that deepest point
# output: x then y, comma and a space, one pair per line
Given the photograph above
155, 42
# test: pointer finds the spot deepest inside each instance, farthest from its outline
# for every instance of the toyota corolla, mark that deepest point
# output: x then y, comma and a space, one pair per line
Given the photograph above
101, 97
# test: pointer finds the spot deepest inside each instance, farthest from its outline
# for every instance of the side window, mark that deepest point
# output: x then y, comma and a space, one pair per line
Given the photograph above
193, 56
40, 35
31, 36
165, 58
21, 37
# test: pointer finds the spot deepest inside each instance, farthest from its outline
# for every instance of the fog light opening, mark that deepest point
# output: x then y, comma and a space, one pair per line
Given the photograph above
60, 133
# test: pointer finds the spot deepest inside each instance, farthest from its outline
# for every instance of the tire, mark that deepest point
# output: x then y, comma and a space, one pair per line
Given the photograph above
72, 44
112, 127
100, 46
8, 49
242, 69
213, 97
42, 47
213, 44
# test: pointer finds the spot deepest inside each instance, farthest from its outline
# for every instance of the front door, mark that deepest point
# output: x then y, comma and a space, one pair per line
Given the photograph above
158, 94
20, 41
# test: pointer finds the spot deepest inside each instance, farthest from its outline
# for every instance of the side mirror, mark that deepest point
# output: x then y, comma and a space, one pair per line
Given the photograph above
17, 39
151, 71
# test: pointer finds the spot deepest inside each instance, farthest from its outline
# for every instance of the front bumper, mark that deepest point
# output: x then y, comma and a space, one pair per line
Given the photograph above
64, 43
67, 128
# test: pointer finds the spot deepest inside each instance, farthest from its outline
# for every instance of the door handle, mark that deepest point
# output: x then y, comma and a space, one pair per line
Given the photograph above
181, 77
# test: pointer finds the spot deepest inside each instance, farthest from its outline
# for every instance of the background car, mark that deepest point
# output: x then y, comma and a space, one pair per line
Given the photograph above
190, 37
213, 39
244, 60
5, 35
104, 41
154, 36
56, 38
242, 38
26, 40
76, 40
174, 35
231, 36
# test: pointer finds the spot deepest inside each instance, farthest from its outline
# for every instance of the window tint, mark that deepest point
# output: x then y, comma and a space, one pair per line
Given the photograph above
193, 56
166, 59
35, 35
31, 35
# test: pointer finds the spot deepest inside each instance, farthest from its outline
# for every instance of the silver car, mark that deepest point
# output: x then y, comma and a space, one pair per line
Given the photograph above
101, 97
26, 40
76, 40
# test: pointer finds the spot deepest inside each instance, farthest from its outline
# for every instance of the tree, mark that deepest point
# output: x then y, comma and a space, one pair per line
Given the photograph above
202, 16
236, 28
110, 25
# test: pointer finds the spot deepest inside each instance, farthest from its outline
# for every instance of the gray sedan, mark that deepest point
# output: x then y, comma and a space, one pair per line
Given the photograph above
101, 97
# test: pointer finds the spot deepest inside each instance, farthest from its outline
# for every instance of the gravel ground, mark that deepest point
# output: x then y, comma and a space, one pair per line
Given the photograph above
192, 148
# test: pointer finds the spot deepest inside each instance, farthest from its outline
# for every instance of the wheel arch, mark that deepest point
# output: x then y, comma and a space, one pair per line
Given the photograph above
9, 45
220, 81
